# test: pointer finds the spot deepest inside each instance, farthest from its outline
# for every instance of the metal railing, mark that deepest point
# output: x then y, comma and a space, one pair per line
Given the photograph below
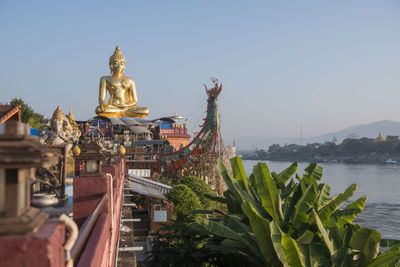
86, 229
163, 188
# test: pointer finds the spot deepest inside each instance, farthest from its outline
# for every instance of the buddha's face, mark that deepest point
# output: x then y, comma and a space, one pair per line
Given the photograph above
117, 66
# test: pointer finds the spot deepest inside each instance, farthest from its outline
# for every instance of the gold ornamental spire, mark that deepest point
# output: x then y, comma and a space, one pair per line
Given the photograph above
117, 55
71, 116
71, 119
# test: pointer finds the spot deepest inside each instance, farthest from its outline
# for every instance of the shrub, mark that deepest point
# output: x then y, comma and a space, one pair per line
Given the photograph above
185, 201
201, 189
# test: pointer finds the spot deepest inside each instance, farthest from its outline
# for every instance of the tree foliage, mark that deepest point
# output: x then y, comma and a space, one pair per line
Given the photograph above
201, 189
28, 115
185, 201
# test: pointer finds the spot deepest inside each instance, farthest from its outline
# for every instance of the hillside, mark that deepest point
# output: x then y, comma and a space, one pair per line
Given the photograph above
369, 130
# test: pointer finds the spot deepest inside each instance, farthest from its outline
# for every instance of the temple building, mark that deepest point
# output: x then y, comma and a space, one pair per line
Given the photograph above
10, 113
141, 139
175, 133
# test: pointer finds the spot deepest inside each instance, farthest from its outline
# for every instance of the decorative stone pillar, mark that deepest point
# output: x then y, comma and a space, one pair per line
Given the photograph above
91, 184
20, 154
92, 156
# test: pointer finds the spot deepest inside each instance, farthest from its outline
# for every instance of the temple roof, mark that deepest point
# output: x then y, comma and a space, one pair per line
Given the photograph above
116, 121
149, 142
8, 111
139, 130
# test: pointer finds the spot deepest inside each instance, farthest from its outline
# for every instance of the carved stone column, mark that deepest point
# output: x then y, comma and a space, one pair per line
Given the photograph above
20, 154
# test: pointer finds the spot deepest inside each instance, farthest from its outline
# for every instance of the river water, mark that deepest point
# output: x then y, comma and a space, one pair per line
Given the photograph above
380, 183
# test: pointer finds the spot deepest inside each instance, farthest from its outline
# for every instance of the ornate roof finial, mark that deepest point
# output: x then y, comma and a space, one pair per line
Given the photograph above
71, 116
117, 55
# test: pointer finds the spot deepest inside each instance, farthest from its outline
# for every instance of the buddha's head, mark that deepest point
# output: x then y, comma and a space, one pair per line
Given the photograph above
117, 62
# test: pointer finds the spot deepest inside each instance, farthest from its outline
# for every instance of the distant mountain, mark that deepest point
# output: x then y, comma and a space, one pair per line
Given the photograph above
370, 130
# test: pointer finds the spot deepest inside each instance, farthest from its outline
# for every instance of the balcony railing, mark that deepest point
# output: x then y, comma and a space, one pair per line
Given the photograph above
86, 229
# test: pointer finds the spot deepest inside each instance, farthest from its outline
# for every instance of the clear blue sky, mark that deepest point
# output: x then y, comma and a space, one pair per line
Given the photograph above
327, 64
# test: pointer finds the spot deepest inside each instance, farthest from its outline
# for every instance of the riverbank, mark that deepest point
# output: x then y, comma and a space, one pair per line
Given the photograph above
339, 157
348, 160
363, 150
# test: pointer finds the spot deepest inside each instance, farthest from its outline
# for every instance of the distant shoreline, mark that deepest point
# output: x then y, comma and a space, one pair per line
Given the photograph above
333, 162
347, 161
381, 150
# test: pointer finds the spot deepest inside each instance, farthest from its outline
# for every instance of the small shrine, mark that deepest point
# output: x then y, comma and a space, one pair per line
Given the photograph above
61, 130
381, 138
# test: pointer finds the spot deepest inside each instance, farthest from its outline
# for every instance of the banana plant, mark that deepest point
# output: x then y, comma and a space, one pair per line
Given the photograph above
275, 221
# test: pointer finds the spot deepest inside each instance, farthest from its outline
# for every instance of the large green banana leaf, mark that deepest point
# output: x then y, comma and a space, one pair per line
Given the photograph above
348, 214
221, 230
241, 177
284, 175
367, 242
389, 258
285, 196
314, 254
305, 238
291, 203
268, 192
234, 223
288, 172
262, 232
232, 203
287, 190
228, 180
323, 198
215, 198
239, 195
238, 172
324, 233
285, 247
335, 233
313, 173
304, 205
336, 202
291, 251
342, 256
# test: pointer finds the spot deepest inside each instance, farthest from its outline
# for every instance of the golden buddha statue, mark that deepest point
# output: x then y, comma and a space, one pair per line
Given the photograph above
122, 90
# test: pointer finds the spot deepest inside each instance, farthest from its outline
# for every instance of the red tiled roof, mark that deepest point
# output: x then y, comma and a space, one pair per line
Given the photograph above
7, 111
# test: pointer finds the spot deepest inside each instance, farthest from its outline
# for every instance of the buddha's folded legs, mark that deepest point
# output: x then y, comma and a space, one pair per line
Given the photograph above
133, 112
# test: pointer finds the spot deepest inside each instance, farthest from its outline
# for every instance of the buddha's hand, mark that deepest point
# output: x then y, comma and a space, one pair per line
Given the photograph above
103, 106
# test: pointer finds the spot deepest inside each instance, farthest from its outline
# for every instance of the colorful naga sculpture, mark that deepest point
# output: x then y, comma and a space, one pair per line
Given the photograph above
198, 158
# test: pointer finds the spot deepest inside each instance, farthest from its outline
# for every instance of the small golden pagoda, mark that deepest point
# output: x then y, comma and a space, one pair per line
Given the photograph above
380, 138
71, 118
